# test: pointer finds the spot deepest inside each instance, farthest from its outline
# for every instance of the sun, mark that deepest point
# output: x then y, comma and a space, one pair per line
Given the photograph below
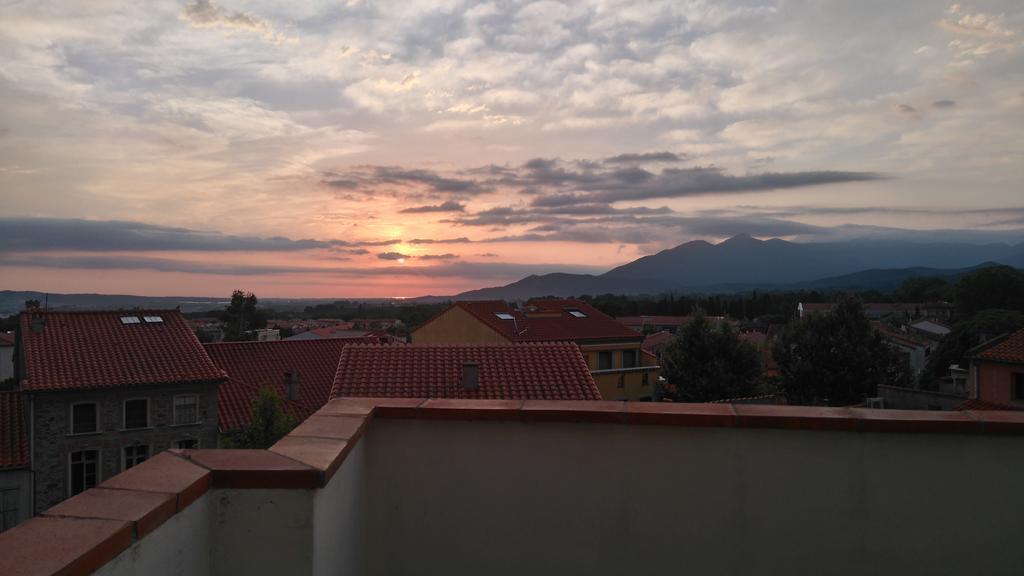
401, 260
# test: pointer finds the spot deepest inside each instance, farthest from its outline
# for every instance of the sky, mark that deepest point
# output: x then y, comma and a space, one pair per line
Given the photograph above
395, 149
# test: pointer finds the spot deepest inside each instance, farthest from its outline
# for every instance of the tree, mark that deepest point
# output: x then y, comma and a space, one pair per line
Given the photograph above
988, 288
241, 316
269, 423
708, 361
924, 289
965, 335
836, 359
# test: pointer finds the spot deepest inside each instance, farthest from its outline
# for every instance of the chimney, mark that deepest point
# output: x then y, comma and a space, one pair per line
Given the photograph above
470, 376
291, 385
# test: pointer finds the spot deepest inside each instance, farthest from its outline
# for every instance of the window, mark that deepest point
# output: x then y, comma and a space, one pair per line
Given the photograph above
8, 508
1018, 386
84, 470
186, 410
153, 319
604, 360
503, 316
84, 418
187, 443
136, 413
130, 320
629, 358
134, 455
577, 313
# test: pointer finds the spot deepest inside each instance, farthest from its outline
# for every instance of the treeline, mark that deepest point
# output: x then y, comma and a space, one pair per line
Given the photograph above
996, 287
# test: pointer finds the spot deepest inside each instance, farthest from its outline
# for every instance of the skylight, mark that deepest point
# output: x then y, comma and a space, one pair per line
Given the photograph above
153, 319
577, 313
130, 320
503, 316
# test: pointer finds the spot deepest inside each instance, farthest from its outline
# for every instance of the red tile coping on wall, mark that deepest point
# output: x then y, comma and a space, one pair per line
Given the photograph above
232, 468
164, 473
62, 546
145, 510
681, 414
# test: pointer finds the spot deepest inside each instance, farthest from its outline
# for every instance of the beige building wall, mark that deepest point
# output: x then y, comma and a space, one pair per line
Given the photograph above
456, 326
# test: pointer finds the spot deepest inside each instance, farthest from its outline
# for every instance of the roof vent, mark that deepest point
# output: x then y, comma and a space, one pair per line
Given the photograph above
470, 376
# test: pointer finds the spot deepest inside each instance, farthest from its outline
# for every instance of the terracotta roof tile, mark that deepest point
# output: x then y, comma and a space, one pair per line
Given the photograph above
549, 321
73, 350
13, 435
550, 371
1008, 349
253, 365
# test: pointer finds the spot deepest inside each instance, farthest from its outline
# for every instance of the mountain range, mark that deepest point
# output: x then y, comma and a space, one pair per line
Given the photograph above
746, 263
739, 264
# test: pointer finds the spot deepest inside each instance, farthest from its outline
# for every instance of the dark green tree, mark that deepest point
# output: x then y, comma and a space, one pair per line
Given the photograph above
241, 316
836, 359
269, 423
967, 334
924, 289
994, 287
707, 361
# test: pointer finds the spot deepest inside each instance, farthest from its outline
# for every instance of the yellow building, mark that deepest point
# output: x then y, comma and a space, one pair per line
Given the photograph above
621, 369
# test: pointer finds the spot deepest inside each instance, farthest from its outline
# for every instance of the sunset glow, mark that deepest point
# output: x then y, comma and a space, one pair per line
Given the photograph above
359, 149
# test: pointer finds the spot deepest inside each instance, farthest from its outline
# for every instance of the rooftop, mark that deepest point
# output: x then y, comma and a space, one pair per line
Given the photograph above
541, 371
1008, 348
407, 486
71, 350
254, 365
548, 320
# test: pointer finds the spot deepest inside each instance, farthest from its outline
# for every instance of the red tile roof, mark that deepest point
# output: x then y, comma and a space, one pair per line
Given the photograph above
13, 435
549, 321
902, 338
73, 350
537, 371
234, 405
1009, 348
253, 365
657, 341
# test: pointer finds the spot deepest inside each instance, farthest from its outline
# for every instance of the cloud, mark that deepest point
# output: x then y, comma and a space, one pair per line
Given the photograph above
944, 104
206, 14
643, 158
41, 234
459, 240
497, 271
554, 182
393, 256
448, 256
449, 206
906, 109
368, 179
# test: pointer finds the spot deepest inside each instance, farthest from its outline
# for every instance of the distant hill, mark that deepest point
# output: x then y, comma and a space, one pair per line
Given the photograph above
13, 301
744, 263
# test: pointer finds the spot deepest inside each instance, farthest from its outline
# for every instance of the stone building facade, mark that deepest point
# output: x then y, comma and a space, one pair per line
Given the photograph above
116, 447
104, 391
